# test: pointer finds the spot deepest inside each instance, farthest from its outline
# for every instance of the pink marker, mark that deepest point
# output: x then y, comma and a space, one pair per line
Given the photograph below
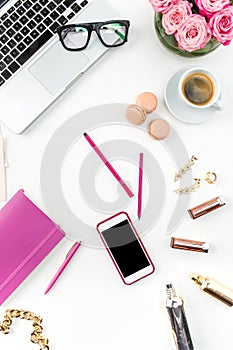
69, 256
140, 176
108, 165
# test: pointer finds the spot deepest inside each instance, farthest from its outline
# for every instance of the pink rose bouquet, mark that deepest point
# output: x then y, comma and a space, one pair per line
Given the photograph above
193, 33
208, 7
176, 15
194, 26
221, 25
162, 5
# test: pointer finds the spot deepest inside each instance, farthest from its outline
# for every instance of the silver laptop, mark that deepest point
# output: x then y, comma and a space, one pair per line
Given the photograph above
35, 69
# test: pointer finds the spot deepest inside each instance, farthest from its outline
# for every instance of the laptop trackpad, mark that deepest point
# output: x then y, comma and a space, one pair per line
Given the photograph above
58, 67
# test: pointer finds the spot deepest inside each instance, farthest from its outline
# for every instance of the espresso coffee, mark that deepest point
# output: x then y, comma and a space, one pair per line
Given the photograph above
198, 88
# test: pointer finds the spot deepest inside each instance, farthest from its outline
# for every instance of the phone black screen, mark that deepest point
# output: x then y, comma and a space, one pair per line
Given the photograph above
125, 248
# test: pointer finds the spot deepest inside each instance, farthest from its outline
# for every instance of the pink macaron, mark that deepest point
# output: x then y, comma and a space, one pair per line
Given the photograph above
135, 114
148, 101
159, 129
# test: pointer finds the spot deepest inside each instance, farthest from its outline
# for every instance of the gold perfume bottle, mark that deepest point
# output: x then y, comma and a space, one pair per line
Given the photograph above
175, 309
214, 288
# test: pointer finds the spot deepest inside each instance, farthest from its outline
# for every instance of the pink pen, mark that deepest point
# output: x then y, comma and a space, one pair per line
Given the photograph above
140, 176
69, 256
108, 165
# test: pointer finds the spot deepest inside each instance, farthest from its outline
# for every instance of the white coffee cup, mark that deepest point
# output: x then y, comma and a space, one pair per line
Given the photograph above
187, 87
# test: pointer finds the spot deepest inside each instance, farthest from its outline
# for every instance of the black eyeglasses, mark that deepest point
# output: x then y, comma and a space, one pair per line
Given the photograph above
75, 37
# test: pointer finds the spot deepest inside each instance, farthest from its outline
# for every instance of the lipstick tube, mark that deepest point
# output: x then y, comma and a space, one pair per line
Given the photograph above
214, 288
180, 330
189, 244
206, 207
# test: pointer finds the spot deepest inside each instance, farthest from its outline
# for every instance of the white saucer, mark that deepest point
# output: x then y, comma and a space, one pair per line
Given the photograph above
178, 108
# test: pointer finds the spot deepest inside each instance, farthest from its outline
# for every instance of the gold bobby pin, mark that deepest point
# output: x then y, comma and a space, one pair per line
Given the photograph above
186, 167
36, 336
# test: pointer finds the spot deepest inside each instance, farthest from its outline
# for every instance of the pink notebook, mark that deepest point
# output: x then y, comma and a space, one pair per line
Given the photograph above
27, 235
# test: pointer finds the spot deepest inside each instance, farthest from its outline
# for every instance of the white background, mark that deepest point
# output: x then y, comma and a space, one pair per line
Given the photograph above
89, 307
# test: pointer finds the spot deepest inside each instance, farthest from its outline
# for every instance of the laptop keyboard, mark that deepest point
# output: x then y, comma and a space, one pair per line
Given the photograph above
27, 26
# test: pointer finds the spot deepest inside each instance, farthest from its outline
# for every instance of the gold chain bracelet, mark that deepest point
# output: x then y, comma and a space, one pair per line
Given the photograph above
36, 336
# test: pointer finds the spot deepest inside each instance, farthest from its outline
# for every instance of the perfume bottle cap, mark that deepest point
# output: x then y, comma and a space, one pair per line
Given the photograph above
194, 276
171, 293
197, 278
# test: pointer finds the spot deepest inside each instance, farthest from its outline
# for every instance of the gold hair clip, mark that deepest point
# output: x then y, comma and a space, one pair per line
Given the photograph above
36, 336
211, 177
186, 167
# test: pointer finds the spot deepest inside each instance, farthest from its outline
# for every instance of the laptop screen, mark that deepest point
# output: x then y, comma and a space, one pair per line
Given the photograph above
2, 2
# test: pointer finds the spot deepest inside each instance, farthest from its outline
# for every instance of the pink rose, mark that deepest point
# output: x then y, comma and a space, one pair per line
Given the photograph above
162, 5
193, 33
176, 15
209, 7
221, 25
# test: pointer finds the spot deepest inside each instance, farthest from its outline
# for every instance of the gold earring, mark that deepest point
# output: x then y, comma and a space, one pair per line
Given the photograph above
192, 188
211, 177
186, 167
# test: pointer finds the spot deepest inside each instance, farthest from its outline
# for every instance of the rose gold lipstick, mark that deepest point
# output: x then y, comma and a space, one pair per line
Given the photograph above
189, 244
206, 207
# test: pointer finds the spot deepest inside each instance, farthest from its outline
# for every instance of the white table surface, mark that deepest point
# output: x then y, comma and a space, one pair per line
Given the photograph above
89, 307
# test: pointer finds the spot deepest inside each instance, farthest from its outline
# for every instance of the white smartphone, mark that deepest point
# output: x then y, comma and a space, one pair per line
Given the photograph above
125, 248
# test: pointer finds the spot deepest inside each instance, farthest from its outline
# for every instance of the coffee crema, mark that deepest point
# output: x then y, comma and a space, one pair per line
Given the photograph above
198, 88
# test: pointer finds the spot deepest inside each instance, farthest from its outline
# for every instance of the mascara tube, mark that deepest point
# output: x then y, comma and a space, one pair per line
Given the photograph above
214, 288
180, 330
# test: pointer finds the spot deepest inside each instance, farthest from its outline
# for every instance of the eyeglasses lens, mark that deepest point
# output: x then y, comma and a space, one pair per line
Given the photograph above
113, 34
75, 37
